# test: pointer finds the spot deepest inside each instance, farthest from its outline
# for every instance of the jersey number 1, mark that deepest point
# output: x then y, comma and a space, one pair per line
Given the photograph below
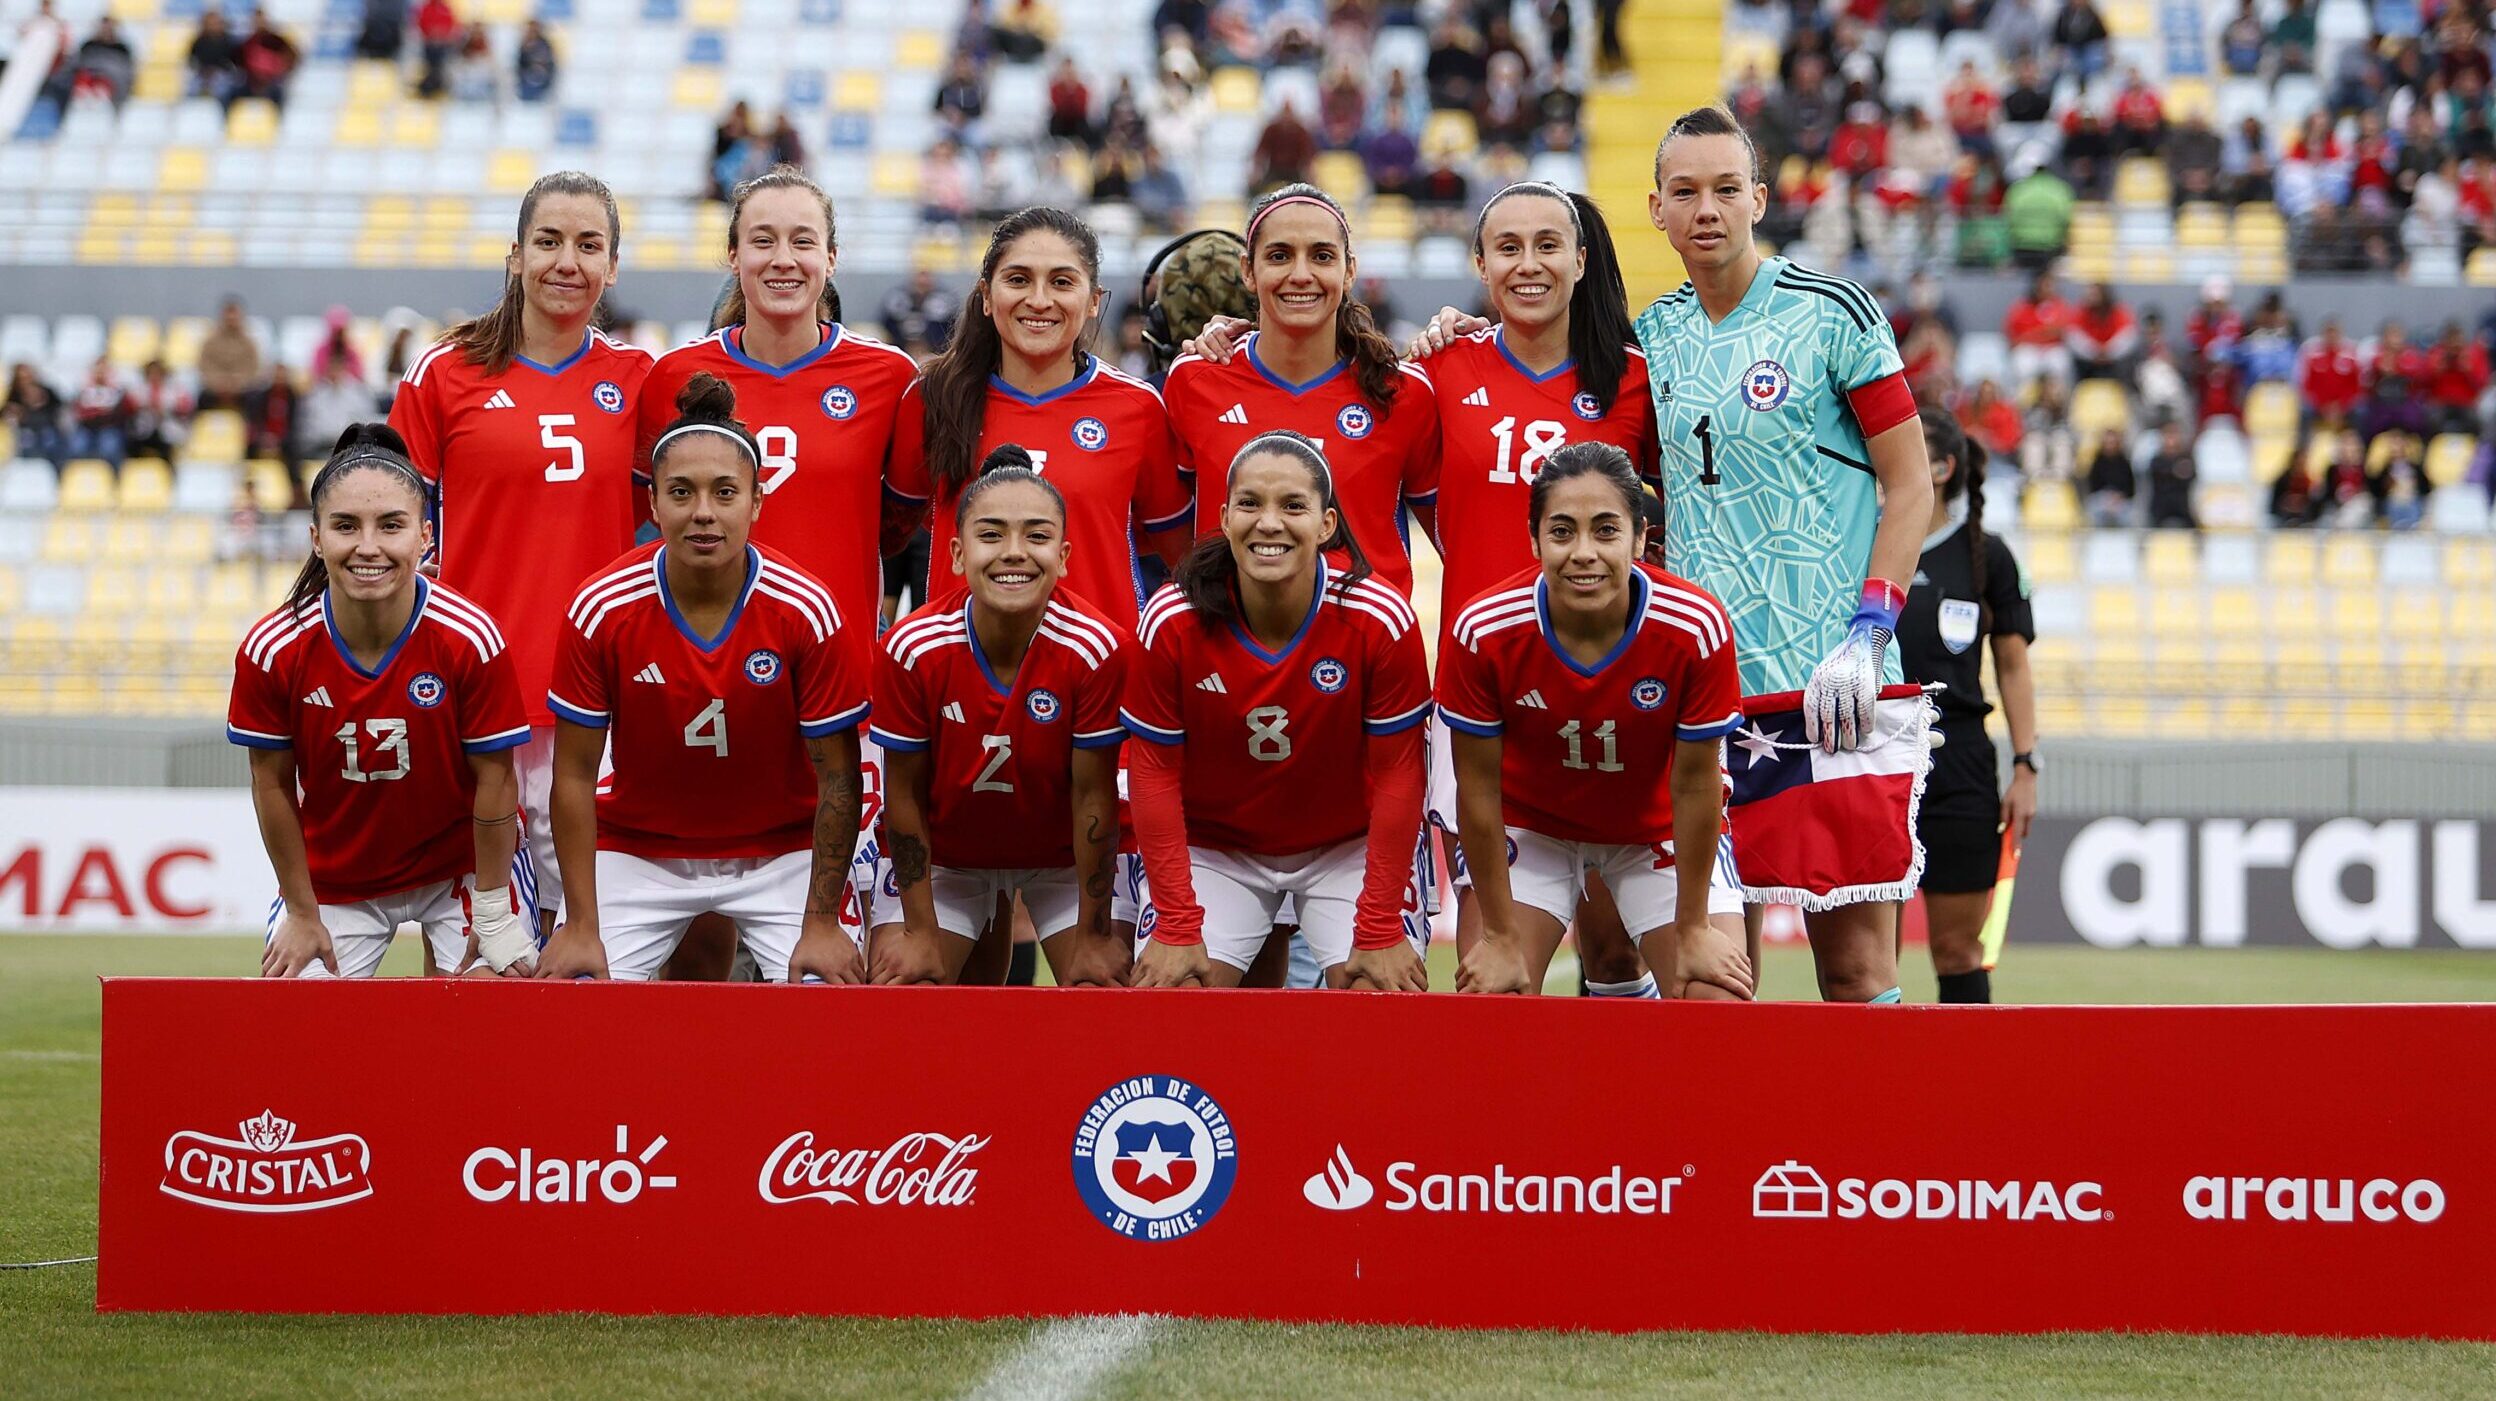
1707, 452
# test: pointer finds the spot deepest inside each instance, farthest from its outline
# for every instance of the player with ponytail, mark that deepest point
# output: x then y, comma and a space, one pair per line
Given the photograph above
380, 710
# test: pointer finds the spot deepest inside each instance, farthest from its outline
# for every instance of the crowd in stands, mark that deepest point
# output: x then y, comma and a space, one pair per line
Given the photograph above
2387, 149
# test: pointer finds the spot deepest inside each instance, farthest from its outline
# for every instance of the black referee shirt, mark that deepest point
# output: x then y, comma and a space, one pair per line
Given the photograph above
1941, 638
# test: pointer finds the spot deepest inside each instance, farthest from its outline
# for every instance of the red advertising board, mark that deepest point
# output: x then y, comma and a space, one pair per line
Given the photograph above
437, 1147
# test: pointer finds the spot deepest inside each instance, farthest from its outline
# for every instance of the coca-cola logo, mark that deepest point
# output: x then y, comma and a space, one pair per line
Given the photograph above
265, 1169
917, 1169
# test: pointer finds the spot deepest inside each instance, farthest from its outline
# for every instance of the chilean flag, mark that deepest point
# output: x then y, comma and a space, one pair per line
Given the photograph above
1824, 830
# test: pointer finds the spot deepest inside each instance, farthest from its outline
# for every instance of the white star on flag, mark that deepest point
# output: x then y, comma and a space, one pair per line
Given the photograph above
1153, 1162
1760, 746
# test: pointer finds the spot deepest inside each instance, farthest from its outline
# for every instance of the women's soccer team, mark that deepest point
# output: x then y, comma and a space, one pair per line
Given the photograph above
484, 708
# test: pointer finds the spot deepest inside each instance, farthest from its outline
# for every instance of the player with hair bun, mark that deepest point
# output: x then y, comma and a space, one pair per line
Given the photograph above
1264, 682
1589, 699
996, 706
720, 674
522, 421
381, 713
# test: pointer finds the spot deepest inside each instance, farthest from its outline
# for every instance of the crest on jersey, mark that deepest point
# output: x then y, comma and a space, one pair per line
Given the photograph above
1959, 618
608, 395
1154, 1158
427, 690
1355, 421
1765, 385
1647, 694
1512, 851
762, 666
840, 401
1588, 407
1043, 706
1329, 675
1090, 434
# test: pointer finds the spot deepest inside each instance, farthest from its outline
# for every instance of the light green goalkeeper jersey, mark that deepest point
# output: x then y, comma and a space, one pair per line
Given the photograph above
1770, 502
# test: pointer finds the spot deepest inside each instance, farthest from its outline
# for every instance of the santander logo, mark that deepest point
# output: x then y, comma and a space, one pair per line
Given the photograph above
1338, 1186
265, 1169
917, 1169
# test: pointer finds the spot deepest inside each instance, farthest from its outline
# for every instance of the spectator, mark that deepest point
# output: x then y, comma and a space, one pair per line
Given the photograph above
2101, 336
474, 77
2140, 120
2015, 28
1992, 419
34, 412
533, 64
2245, 164
2296, 498
2328, 377
2213, 326
2195, 157
2422, 153
2049, 449
2157, 378
2268, 349
2243, 44
2292, 39
271, 424
1920, 154
2037, 327
1504, 114
1070, 104
2456, 375
1973, 108
783, 145
269, 59
2395, 376
336, 399
2400, 485
384, 32
946, 181
1398, 106
438, 35
2030, 102
1190, 17
1441, 193
104, 65
2087, 157
1457, 67
921, 311
100, 416
1611, 60
1122, 119
160, 413
1025, 30
2171, 472
2036, 211
2111, 482
337, 345
1176, 114
1811, 107
1284, 151
1160, 195
1111, 182
737, 152
2080, 32
230, 360
1390, 155
1859, 147
962, 98
215, 59
2347, 490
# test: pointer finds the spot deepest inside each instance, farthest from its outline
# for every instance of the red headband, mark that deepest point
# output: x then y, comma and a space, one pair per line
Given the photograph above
1286, 202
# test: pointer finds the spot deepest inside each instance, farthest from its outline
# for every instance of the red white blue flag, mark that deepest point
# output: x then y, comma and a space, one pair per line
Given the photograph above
1824, 830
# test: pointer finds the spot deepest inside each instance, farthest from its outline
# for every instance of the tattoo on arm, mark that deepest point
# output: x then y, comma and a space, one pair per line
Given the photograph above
909, 861
1099, 887
836, 834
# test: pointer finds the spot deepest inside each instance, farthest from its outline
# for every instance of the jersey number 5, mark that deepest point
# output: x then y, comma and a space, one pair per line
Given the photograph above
557, 471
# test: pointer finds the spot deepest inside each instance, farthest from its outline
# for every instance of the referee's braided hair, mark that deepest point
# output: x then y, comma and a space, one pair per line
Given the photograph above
363, 447
1209, 576
1946, 441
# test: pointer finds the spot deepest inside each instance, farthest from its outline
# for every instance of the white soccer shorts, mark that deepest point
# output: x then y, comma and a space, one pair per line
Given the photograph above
966, 899
1242, 895
360, 931
645, 904
533, 764
1550, 875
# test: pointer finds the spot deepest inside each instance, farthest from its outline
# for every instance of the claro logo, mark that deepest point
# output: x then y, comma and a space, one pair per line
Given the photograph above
917, 1169
1792, 1190
536, 1176
2312, 1199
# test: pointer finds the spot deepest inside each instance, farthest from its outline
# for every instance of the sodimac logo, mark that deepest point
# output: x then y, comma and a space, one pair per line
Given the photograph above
265, 1169
1795, 1191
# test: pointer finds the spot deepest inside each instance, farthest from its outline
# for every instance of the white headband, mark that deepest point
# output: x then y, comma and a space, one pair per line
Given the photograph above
744, 445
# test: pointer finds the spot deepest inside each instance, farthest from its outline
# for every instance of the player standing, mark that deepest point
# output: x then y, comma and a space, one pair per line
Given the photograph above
1969, 590
522, 419
721, 674
1795, 485
1263, 683
1589, 698
380, 712
997, 710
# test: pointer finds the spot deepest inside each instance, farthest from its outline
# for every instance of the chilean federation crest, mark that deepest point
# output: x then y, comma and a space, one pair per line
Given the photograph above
1154, 1158
839, 402
426, 690
1765, 385
762, 666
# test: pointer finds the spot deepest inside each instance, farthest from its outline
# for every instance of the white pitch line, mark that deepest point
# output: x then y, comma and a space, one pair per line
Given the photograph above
50, 1055
1067, 1359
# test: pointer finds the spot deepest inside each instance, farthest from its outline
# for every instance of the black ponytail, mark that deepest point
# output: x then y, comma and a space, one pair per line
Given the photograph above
375, 447
1006, 464
1209, 576
1945, 440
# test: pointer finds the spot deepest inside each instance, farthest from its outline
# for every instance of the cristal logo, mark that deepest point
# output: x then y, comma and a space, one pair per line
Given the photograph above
917, 1169
2312, 1199
1793, 1190
1338, 1186
531, 1175
265, 1169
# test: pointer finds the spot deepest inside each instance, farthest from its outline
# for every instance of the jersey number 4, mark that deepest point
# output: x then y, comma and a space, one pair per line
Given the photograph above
708, 729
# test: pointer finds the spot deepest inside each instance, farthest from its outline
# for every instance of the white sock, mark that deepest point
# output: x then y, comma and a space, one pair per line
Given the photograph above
1643, 987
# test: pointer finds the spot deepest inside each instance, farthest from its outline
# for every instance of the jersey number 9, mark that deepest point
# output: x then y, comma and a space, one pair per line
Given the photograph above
779, 447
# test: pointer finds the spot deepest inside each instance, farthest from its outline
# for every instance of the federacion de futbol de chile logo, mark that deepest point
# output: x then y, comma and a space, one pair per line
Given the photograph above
1043, 705
840, 401
1090, 434
762, 666
1765, 385
1154, 1158
427, 690
608, 396
1355, 421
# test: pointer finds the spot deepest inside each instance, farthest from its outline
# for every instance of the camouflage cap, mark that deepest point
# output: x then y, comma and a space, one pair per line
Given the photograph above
1201, 281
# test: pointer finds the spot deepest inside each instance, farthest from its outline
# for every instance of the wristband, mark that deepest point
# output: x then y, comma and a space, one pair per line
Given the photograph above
1882, 602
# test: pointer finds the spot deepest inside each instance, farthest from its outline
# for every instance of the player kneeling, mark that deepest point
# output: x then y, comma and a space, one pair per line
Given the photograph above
718, 672
998, 713
1571, 690
381, 713
1267, 686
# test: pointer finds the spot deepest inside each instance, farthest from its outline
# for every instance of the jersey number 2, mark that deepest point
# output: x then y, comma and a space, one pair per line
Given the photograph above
1000, 753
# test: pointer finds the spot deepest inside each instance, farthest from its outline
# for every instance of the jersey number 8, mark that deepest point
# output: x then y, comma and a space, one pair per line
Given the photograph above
1267, 739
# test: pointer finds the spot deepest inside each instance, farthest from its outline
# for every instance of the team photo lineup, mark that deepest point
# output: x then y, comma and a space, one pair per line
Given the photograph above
588, 674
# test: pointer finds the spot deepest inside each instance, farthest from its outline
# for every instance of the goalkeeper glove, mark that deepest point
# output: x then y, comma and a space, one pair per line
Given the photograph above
1843, 696
504, 939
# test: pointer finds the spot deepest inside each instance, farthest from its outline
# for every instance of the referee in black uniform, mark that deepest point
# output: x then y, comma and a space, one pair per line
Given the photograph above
1969, 591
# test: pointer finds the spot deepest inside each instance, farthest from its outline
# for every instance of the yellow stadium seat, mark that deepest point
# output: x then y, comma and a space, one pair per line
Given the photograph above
2048, 506
112, 590
2356, 613
72, 540
2190, 97
2187, 717
2269, 455
2114, 613
2235, 610
2200, 225
2169, 560
146, 485
73, 695
216, 435
2370, 718
2480, 271
2469, 564
894, 174
372, 83
2448, 458
1748, 50
170, 589
696, 89
2141, 181
507, 12
2178, 665
12, 593
1341, 174
2289, 559
858, 90
2417, 615
358, 128
1236, 90
2419, 668
133, 341
87, 485
8, 442
510, 172
2097, 405
711, 14
131, 539
2271, 409
233, 589
251, 122
1449, 131
188, 540
416, 126
2472, 621
2051, 558
2349, 560
182, 168
269, 486
918, 51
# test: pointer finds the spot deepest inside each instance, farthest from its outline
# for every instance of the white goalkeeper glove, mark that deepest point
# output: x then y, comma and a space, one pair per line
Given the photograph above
504, 939
1842, 699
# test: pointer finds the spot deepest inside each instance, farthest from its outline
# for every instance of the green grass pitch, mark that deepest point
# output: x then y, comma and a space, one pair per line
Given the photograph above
57, 1345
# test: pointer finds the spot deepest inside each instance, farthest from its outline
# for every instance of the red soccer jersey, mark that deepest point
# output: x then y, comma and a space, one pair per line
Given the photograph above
1380, 461
381, 756
825, 424
1001, 750
1498, 424
1587, 752
1102, 440
1276, 741
534, 468
708, 738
